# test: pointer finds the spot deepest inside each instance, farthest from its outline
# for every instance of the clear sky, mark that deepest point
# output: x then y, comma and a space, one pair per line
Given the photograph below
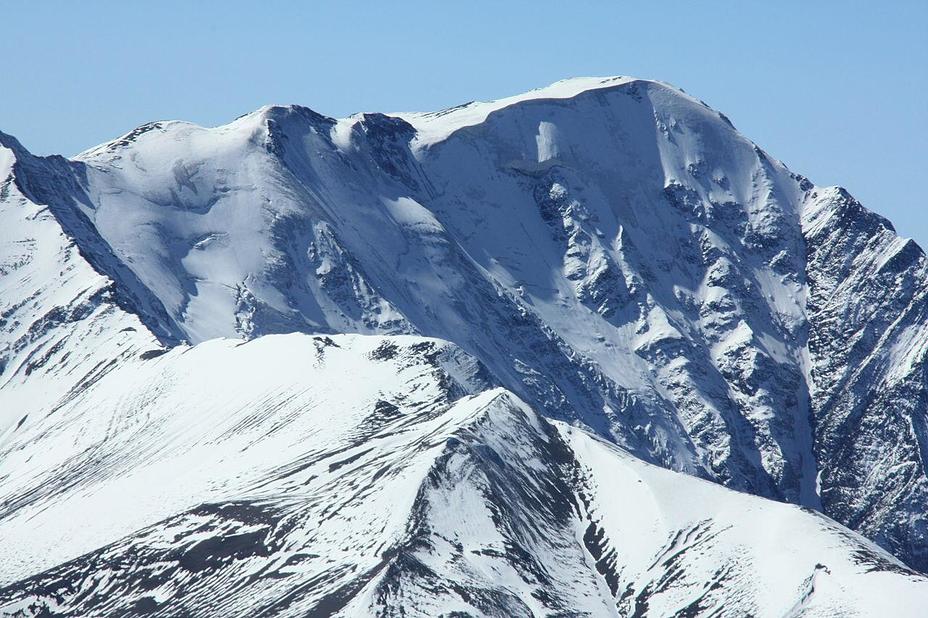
837, 89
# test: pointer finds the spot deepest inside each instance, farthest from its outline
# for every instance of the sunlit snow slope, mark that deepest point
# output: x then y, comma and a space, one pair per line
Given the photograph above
611, 252
356, 475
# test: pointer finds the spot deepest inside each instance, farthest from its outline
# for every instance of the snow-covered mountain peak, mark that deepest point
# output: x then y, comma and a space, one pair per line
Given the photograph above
834, 205
612, 252
431, 127
435, 127
246, 131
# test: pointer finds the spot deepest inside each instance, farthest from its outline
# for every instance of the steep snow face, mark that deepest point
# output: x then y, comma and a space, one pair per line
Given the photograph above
612, 250
194, 213
661, 247
161, 435
868, 305
352, 475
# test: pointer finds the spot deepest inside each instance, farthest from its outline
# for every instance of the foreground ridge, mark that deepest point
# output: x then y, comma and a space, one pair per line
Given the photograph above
355, 475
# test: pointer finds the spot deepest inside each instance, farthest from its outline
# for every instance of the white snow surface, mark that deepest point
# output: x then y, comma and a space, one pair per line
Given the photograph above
333, 464
434, 127
419, 360
532, 231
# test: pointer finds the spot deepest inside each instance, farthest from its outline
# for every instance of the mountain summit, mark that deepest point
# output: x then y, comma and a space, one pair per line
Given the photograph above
557, 292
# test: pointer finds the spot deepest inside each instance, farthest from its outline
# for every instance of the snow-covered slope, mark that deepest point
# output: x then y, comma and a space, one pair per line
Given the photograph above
613, 250
868, 345
371, 476
566, 239
61, 323
610, 251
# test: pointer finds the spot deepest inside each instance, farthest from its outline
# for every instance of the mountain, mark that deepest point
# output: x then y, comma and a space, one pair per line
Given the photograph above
611, 253
359, 475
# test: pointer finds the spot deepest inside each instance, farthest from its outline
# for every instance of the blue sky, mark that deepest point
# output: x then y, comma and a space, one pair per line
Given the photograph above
838, 90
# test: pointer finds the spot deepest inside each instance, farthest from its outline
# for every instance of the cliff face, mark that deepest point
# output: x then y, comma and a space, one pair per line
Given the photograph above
868, 341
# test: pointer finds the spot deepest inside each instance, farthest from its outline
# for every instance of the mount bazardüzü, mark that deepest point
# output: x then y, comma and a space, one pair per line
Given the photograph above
586, 351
